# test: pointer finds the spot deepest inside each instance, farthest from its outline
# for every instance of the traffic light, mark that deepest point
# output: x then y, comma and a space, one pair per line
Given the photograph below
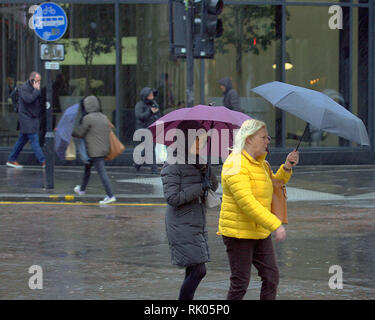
206, 27
212, 26
209, 26
177, 28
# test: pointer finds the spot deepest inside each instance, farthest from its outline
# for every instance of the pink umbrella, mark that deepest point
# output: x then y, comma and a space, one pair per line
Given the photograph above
221, 120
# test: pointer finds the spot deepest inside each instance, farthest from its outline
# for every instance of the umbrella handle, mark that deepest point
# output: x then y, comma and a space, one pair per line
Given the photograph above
300, 140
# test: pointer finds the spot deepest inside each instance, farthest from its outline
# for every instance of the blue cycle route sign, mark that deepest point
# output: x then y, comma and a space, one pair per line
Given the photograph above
50, 21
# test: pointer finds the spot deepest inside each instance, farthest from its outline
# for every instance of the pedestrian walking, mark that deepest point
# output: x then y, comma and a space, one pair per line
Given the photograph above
94, 128
185, 186
147, 112
29, 109
231, 98
246, 220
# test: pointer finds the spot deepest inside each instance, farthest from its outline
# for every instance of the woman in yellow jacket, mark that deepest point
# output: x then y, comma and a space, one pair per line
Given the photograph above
246, 221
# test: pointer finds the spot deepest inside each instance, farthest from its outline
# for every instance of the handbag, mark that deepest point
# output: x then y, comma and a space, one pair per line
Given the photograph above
70, 153
279, 198
212, 200
115, 147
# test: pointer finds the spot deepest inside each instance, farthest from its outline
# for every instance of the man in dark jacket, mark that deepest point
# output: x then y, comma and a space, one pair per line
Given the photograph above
231, 98
28, 116
147, 112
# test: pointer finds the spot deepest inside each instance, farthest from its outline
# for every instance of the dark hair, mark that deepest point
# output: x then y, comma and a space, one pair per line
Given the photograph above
184, 126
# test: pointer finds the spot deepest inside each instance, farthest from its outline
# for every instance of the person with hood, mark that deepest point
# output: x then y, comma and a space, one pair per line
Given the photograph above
94, 128
29, 110
185, 186
147, 112
231, 97
246, 221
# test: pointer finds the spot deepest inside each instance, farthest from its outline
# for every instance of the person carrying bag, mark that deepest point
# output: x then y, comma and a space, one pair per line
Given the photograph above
246, 221
95, 129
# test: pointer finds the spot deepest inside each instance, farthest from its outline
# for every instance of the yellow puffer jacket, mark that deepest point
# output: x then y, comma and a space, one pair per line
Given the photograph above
247, 196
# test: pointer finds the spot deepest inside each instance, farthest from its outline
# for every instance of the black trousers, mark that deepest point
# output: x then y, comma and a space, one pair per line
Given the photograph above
242, 253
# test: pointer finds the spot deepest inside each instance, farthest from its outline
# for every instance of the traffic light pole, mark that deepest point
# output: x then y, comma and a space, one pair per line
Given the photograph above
189, 56
50, 136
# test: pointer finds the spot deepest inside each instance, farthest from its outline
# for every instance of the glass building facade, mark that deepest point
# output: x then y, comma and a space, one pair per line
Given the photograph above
115, 48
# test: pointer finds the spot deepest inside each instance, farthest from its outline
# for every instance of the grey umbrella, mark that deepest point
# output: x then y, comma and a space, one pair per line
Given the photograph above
315, 108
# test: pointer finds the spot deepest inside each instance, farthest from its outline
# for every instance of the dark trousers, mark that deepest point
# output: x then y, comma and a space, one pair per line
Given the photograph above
242, 253
193, 276
98, 163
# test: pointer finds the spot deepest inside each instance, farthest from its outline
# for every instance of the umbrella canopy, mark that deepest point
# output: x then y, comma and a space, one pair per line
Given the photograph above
64, 130
211, 117
315, 108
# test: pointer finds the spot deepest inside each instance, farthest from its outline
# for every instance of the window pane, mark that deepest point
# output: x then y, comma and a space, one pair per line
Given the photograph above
314, 51
17, 61
89, 65
246, 54
146, 62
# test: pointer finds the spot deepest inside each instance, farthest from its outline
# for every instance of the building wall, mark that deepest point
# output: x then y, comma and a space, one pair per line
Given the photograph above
333, 61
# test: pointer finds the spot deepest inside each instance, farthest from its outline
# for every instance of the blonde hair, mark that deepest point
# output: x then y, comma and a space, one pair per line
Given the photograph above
248, 128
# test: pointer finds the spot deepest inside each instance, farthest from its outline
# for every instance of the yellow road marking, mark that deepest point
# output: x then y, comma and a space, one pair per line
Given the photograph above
85, 203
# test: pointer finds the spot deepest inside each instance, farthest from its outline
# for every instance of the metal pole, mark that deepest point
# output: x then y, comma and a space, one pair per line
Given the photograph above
4, 70
118, 68
36, 53
371, 75
50, 136
202, 82
350, 72
189, 56
283, 72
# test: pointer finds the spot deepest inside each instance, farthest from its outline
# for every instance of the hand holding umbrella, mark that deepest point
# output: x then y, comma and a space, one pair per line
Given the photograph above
292, 160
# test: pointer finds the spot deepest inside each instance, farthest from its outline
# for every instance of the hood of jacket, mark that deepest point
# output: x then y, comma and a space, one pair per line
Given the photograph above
227, 83
144, 94
91, 104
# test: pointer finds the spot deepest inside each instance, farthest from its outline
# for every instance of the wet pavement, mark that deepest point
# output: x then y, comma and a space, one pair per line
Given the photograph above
120, 251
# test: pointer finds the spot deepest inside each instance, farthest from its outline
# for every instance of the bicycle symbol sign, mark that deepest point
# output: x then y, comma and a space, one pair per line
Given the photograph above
49, 21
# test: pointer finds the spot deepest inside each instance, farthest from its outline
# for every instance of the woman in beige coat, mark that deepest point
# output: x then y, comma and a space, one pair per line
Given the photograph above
95, 128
